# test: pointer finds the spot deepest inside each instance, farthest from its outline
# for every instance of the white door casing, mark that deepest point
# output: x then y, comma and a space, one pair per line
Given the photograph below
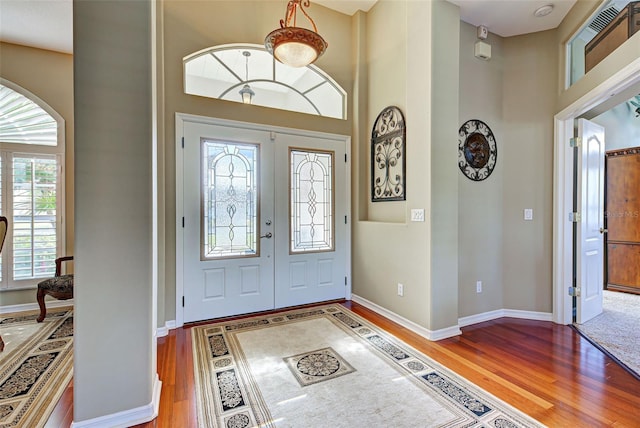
563, 181
232, 285
590, 238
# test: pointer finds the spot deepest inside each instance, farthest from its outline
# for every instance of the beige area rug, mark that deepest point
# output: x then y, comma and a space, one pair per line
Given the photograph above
35, 367
616, 330
327, 367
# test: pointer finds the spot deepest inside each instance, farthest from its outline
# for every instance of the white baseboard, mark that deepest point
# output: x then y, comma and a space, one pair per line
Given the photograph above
34, 306
127, 418
528, 315
501, 313
163, 331
485, 316
416, 328
444, 333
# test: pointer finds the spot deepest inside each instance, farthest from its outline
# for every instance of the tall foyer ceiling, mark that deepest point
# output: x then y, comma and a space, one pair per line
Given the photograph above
48, 24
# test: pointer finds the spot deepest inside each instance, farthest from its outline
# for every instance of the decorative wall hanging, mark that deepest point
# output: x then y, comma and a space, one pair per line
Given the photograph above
388, 156
477, 150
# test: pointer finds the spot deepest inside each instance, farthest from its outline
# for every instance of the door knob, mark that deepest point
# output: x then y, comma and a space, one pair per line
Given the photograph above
602, 230
268, 235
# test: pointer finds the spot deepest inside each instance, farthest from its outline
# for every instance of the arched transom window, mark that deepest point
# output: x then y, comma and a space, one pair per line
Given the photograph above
228, 71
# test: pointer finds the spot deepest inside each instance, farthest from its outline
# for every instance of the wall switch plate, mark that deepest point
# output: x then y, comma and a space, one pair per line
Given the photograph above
528, 213
417, 214
400, 290
478, 286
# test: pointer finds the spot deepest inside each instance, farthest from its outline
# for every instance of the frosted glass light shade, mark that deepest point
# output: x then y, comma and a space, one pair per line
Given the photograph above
295, 46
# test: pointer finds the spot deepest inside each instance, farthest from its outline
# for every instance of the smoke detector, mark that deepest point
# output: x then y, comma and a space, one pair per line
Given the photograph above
543, 11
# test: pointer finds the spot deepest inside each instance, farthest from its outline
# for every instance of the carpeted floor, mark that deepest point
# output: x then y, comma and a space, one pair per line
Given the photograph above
327, 367
35, 367
616, 328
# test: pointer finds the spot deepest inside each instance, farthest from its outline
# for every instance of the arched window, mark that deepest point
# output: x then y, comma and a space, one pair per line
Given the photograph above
227, 72
31, 160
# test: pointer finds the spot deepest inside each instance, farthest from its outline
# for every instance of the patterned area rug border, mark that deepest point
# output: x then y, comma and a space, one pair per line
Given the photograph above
228, 396
35, 373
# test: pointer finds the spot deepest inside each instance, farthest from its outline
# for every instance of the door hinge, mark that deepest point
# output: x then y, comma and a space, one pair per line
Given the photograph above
183, 142
575, 217
345, 219
575, 142
183, 301
345, 158
183, 222
574, 291
345, 280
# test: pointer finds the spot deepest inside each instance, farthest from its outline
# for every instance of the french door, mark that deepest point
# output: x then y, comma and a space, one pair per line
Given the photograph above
264, 219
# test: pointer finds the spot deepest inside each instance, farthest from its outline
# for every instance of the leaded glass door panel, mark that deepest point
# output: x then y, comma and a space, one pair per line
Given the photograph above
228, 205
312, 212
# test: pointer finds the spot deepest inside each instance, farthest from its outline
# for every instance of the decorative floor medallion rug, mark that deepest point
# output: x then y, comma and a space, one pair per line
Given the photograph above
327, 367
35, 367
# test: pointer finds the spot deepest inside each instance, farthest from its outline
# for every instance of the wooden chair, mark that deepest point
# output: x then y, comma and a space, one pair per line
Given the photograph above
4, 224
59, 287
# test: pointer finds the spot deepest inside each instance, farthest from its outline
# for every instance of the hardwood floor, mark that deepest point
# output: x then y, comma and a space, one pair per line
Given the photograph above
546, 370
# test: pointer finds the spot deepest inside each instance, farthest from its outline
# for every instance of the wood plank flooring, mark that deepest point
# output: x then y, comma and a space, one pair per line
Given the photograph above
546, 370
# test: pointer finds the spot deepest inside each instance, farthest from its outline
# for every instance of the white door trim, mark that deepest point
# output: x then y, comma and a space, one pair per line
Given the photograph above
181, 118
563, 184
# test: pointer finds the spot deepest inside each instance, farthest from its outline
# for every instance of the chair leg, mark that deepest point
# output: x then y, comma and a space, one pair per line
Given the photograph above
43, 308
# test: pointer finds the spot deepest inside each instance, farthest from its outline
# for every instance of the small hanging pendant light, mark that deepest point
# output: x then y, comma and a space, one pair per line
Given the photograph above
246, 92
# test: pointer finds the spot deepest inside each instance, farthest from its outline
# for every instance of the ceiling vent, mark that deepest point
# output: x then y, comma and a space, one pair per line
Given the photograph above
604, 18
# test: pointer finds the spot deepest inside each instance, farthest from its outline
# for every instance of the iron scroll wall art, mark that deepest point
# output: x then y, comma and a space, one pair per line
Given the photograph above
388, 163
477, 150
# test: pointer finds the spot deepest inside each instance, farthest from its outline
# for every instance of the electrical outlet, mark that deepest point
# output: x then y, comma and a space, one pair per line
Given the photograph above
528, 213
400, 290
478, 286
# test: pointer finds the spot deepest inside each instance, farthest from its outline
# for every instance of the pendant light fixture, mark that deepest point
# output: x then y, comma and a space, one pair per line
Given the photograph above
292, 45
246, 92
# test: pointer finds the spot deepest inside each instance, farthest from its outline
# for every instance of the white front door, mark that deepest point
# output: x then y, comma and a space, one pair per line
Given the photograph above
590, 202
311, 217
227, 207
264, 219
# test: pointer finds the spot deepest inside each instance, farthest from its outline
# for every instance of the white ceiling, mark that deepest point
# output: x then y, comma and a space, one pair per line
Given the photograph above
45, 24
48, 24
508, 18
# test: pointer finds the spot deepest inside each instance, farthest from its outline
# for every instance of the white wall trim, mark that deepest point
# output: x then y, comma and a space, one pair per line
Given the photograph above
477, 318
34, 306
127, 418
452, 331
416, 328
563, 184
163, 331
502, 313
528, 315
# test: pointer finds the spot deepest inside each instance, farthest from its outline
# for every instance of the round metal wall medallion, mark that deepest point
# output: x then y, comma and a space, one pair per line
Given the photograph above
477, 150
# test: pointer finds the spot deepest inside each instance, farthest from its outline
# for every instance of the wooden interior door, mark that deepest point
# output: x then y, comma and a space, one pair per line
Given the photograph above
623, 220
